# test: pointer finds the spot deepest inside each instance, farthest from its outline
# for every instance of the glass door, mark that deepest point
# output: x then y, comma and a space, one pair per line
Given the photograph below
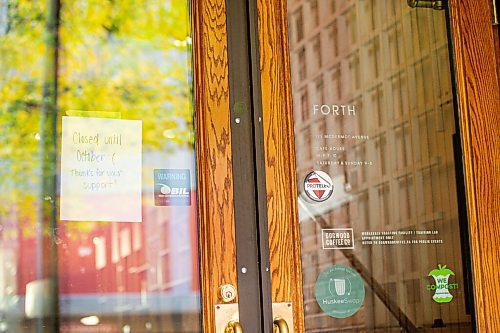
98, 221
378, 240
379, 213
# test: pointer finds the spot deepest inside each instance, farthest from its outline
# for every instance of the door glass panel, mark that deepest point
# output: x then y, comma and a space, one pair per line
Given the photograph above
378, 208
98, 227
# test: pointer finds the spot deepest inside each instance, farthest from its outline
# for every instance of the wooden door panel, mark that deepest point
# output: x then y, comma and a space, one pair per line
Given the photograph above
215, 174
286, 275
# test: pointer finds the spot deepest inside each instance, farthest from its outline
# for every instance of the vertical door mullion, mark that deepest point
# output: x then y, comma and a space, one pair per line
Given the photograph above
260, 167
250, 208
478, 91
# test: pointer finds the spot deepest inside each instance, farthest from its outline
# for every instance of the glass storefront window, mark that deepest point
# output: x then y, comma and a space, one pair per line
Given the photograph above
378, 207
98, 227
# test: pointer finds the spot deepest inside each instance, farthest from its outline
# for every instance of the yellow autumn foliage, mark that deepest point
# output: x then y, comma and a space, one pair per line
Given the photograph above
127, 56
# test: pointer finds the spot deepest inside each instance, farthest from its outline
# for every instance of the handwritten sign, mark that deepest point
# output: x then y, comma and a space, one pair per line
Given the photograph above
101, 169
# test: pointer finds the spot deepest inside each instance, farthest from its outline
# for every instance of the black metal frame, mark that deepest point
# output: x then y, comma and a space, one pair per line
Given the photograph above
250, 203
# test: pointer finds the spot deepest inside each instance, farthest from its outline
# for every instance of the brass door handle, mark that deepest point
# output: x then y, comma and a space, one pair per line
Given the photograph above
233, 327
434, 4
280, 325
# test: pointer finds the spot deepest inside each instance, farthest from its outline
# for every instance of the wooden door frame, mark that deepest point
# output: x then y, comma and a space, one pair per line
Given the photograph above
477, 83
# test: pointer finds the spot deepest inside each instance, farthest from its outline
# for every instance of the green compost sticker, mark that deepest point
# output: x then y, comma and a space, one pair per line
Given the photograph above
442, 287
340, 291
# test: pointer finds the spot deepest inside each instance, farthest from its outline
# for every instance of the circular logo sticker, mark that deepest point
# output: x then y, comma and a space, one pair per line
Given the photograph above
318, 186
340, 291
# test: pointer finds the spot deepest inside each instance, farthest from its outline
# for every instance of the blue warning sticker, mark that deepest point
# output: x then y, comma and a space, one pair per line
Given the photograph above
172, 187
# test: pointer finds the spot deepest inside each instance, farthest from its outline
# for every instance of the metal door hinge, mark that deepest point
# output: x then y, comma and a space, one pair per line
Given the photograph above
434, 4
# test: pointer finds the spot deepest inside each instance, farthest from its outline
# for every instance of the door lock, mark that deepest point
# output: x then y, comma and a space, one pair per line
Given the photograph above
227, 293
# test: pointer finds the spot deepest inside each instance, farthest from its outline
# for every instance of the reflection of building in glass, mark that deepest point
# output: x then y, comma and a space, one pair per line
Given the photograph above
137, 274
391, 62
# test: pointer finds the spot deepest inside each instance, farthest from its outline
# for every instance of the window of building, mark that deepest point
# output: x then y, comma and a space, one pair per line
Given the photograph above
333, 33
412, 288
381, 148
364, 210
336, 83
412, 257
304, 105
395, 45
317, 52
400, 104
299, 25
320, 94
100, 252
424, 32
367, 16
385, 204
165, 271
390, 8
351, 26
354, 72
137, 239
430, 84
362, 157
403, 146
360, 121
313, 6
443, 73
375, 62
390, 259
392, 289
377, 105
332, 6
405, 198
115, 244
125, 243
307, 143
302, 64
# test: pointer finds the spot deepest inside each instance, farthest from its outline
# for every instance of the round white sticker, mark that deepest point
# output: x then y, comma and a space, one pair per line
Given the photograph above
318, 186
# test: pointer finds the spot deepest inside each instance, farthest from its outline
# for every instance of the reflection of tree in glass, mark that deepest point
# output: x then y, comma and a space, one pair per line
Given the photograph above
129, 57
21, 69
122, 56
